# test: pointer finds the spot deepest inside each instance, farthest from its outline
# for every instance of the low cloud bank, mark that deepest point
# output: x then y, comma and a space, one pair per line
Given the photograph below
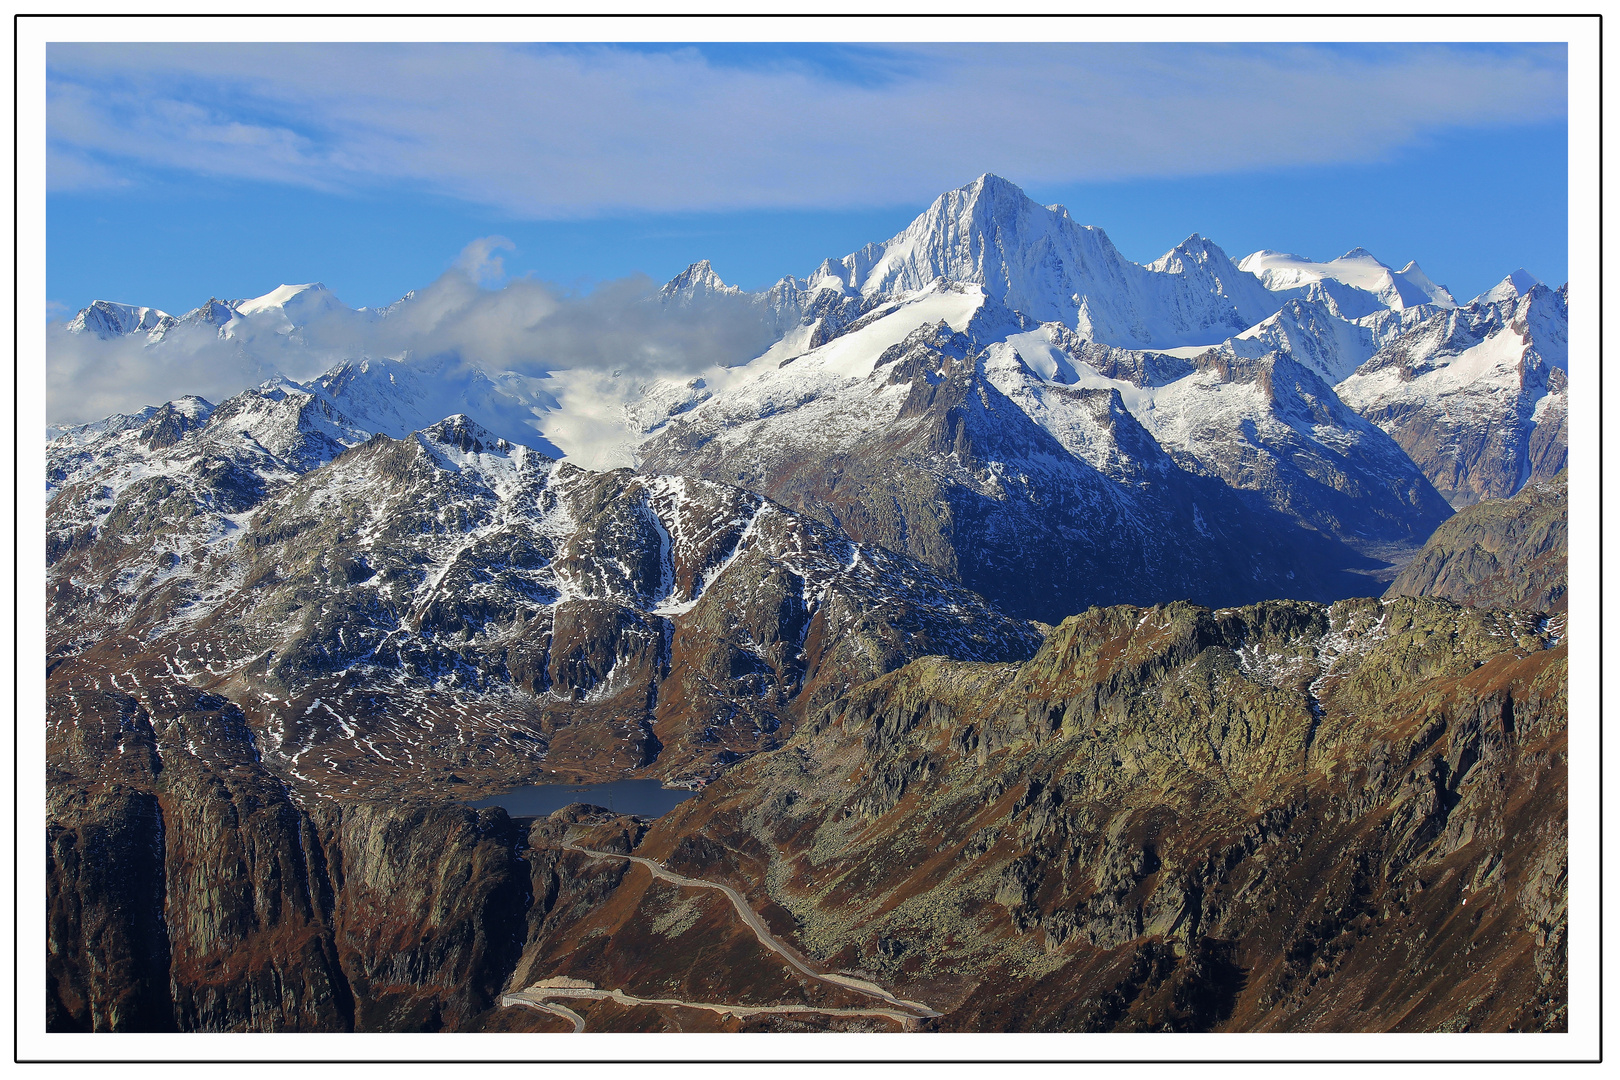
528, 326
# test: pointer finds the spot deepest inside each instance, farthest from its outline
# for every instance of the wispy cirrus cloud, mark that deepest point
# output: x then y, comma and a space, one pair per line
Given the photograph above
551, 132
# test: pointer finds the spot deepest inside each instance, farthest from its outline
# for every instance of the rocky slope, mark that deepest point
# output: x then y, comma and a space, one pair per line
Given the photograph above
1266, 427
1049, 474
190, 888
402, 611
1477, 396
242, 646
1283, 817
1499, 553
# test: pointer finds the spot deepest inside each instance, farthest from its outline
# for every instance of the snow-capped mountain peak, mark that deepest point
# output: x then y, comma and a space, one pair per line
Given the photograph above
1281, 270
1202, 261
984, 259
979, 233
106, 319
1193, 249
309, 297
1515, 285
1432, 293
697, 279
1357, 268
1038, 261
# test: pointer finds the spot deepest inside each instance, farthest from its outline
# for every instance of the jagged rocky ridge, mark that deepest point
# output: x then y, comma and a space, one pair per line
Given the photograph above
1429, 387
1259, 438
449, 603
1049, 496
1330, 318
1340, 490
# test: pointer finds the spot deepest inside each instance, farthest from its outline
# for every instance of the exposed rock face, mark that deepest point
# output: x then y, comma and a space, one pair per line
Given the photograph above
191, 889
451, 603
1266, 818
140, 505
1477, 396
1170, 819
1047, 497
1502, 553
246, 621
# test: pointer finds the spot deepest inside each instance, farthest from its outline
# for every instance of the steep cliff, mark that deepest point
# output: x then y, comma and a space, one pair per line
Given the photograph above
1509, 553
188, 888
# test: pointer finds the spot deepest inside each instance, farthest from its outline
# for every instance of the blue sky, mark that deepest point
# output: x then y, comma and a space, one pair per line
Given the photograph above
179, 172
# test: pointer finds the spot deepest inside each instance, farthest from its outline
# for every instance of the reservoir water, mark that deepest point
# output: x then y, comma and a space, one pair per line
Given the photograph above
644, 798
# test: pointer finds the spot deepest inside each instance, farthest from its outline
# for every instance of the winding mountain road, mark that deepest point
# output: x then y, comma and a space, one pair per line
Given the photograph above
539, 995
905, 1012
525, 997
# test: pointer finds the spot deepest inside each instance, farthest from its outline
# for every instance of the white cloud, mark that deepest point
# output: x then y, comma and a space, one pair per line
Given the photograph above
558, 132
479, 262
526, 326
87, 378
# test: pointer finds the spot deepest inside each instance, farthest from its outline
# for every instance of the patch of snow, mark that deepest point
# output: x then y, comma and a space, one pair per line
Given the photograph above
1357, 268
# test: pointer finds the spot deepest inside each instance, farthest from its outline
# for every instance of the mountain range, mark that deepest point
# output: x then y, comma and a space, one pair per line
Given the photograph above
871, 554
1320, 415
